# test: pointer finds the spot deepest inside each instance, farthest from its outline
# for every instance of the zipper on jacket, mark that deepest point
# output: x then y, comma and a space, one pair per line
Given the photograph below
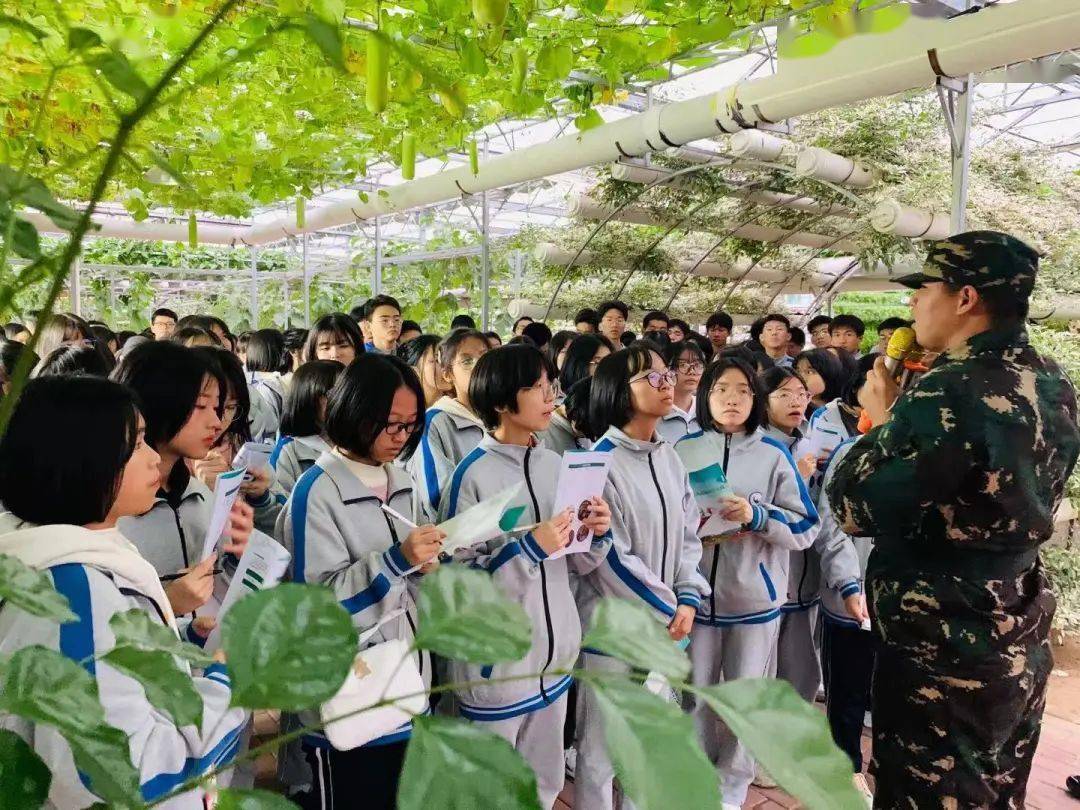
408, 618
543, 584
663, 517
716, 551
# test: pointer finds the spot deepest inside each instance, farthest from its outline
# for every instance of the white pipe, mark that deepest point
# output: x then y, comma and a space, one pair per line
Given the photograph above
754, 143
890, 216
150, 231
856, 68
522, 307
825, 165
646, 175
553, 254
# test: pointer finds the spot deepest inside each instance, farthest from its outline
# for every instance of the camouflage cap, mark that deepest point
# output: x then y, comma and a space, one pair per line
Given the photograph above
980, 259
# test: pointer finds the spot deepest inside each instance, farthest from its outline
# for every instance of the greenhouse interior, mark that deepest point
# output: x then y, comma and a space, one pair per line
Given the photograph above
263, 164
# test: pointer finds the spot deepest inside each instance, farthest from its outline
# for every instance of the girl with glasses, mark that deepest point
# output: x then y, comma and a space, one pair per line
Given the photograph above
653, 559
451, 427
688, 362
796, 653
745, 567
514, 389
341, 537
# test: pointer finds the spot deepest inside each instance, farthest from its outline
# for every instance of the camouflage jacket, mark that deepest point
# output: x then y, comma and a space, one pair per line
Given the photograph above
966, 476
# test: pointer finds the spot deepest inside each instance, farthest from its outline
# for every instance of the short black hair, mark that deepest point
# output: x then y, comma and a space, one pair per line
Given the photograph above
463, 321
358, 406
720, 320
538, 332
295, 339
448, 349
412, 351
373, 304
893, 323
850, 394
703, 343
773, 378
202, 321
818, 320
796, 336
10, 352
75, 359
519, 320
495, 335
499, 376
340, 325
588, 315
123, 336
63, 455
576, 405
579, 354
661, 339
701, 407
681, 324
852, 322
413, 326
610, 402
516, 339
231, 370
167, 378
185, 334
674, 351
829, 367
559, 341
359, 312
164, 312
759, 325
266, 351
310, 383
757, 360
605, 306
654, 315
627, 338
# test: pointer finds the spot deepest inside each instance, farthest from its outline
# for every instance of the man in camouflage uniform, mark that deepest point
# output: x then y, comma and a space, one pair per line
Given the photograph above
958, 483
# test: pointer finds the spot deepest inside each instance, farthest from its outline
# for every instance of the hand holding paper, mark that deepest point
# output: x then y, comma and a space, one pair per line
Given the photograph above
253, 456
191, 591
225, 492
262, 565
553, 535
581, 483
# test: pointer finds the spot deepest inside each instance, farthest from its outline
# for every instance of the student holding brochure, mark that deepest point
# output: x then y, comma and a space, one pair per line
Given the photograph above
746, 569
653, 559
514, 391
340, 536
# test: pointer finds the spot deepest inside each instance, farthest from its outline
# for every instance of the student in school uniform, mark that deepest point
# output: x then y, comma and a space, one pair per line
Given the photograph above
333, 337
303, 423
73, 462
340, 536
513, 389
688, 362
265, 359
847, 645
583, 355
179, 392
655, 550
737, 626
451, 427
796, 653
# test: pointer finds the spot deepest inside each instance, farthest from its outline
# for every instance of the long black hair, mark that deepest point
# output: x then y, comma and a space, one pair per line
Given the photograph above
757, 411
228, 366
359, 404
829, 366
579, 354
310, 386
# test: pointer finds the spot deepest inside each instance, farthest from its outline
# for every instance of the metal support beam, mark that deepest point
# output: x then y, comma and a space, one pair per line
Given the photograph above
376, 268
957, 104
307, 283
254, 290
485, 257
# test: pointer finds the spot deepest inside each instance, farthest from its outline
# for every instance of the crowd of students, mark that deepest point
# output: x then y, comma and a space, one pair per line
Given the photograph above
108, 466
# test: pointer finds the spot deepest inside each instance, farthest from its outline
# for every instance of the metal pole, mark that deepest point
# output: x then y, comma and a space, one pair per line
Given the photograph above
961, 155
307, 285
485, 257
285, 295
254, 315
376, 269
76, 286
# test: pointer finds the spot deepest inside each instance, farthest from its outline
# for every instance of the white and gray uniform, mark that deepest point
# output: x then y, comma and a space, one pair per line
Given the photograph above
266, 391
451, 431
653, 560
677, 423
292, 457
561, 436
164, 755
736, 627
797, 659
528, 713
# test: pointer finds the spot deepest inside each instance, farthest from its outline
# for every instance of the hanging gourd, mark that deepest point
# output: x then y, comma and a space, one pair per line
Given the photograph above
474, 159
378, 72
192, 230
452, 99
408, 156
490, 12
521, 68
300, 203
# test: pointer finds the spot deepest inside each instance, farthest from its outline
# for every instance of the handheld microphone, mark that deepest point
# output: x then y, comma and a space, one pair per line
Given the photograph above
901, 343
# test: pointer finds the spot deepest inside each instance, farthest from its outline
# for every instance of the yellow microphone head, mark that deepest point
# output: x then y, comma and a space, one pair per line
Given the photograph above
901, 342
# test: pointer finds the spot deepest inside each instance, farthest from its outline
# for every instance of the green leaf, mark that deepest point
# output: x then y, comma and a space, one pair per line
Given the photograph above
163, 163
789, 737
631, 633
7, 21
555, 61
464, 616
32, 590
588, 120
472, 58
135, 628
452, 764
80, 38
648, 740
289, 647
236, 799
30, 191
327, 37
25, 778
24, 238
43, 686
167, 686
888, 18
594, 6
814, 43
120, 73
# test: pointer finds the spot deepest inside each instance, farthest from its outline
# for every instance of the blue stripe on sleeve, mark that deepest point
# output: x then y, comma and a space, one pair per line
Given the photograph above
811, 518
372, 594
299, 518
160, 785
431, 477
77, 637
276, 453
636, 585
458, 477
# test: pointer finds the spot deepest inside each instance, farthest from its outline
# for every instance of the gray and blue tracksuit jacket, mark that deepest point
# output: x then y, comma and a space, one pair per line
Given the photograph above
292, 457
522, 571
339, 536
655, 549
748, 575
266, 390
561, 436
164, 755
804, 567
843, 557
676, 424
450, 433
827, 430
